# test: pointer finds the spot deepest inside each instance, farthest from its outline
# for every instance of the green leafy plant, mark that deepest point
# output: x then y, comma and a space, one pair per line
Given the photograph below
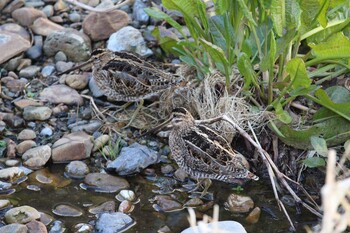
2, 143
284, 50
113, 149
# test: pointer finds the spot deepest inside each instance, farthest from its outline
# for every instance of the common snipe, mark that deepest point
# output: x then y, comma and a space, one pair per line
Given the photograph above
202, 153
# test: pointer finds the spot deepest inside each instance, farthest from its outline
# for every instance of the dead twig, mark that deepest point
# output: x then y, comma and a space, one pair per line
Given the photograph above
95, 107
89, 8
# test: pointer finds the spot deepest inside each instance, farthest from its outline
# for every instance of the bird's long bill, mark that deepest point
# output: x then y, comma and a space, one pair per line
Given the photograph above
76, 67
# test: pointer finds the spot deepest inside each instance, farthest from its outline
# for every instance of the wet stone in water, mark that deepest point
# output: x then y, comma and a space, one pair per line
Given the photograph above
238, 203
22, 214
166, 203
33, 187
108, 206
76, 170
254, 216
67, 211
57, 227
126, 207
128, 195
101, 182
114, 222
82, 228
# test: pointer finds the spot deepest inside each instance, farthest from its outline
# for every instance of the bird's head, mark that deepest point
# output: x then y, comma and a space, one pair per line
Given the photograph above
181, 116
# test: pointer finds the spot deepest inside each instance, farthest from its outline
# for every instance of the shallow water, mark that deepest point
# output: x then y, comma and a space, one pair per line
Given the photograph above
149, 220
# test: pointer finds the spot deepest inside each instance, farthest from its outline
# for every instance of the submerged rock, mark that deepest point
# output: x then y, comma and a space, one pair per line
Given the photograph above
108, 206
14, 228
76, 170
133, 159
101, 182
67, 211
21, 214
114, 222
238, 203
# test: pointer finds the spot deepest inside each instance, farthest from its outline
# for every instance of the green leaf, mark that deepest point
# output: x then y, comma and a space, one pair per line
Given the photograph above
338, 94
269, 60
336, 47
157, 14
309, 8
293, 13
342, 109
281, 114
322, 16
298, 76
320, 145
246, 12
320, 34
220, 33
314, 162
278, 15
217, 55
2, 143
187, 7
246, 69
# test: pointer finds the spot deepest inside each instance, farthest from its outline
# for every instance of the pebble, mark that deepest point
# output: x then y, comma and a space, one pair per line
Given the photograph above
14, 228
166, 169
77, 81
11, 45
128, 195
83, 228
238, 204
128, 39
47, 70
61, 94
133, 159
48, 10
26, 134
27, 15
76, 45
166, 203
100, 142
126, 206
139, 13
74, 146
90, 127
99, 26
74, 17
57, 227
96, 91
12, 162
16, 29
60, 56
10, 174
45, 27
24, 146
37, 113
65, 210
16, 4
47, 131
254, 216
29, 72
36, 227
114, 222
21, 214
62, 66
108, 206
37, 157
34, 52
77, 170
4, 203
101, 182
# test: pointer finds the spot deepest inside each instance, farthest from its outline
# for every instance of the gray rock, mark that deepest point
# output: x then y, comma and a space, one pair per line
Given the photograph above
47, 131
29, 71
77, 169
14, 228
26, 134
61, 94
57, 227
113, 222
40, 113
27, 15
74, 17
67, 211
48, 10
45, 27
226, 226
10, 173
139, 13
101, 182
90, 127
36, 226
37, 157
34, 52
76, 45
62, 66
129, 39
133, 159
77, 81
60, 56
21, 214
47, 70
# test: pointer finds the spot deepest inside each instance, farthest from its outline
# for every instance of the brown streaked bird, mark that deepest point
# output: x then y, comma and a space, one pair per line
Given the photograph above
123, 76
203, 153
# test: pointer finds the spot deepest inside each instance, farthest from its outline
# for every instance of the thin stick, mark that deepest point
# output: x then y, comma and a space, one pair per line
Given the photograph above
95, 107
89, 8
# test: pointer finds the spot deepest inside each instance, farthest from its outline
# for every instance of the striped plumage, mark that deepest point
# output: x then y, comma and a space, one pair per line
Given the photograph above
202, 153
